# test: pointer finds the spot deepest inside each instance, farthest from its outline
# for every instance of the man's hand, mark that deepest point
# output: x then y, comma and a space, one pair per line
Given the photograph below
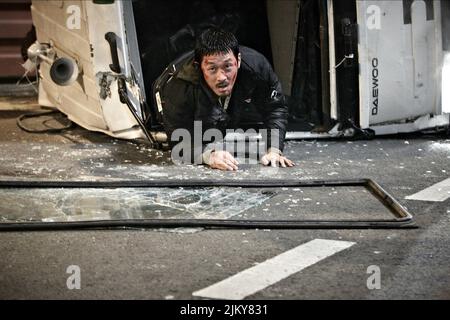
223, 160
275, 159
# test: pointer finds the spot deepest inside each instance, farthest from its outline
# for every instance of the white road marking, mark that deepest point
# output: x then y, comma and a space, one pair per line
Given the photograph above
438, 192
256, 278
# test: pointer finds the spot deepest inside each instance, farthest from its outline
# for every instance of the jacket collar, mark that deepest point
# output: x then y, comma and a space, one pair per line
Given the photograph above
189, 72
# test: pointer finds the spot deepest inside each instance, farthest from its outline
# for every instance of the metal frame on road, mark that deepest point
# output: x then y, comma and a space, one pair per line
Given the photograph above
401, 217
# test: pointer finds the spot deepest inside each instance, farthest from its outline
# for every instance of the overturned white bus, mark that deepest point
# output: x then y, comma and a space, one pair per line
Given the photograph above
347, 67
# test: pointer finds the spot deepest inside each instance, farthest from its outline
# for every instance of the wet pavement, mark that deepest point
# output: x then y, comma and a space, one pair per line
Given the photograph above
174, 263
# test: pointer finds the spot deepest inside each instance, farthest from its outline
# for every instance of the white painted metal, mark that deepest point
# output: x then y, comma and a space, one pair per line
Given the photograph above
422, 123
446, 84
399, 62
86, 45
439, 55
119, 119
332, 46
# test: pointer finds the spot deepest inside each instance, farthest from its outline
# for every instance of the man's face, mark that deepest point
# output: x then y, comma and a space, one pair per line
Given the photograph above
220, 72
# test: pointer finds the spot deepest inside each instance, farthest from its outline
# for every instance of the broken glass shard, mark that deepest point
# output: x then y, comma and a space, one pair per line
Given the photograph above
88, 204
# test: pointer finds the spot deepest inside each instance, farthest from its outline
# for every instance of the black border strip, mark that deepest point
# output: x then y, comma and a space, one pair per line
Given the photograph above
402, 218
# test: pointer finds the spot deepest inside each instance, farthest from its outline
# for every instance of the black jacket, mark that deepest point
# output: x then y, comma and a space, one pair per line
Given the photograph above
256, 101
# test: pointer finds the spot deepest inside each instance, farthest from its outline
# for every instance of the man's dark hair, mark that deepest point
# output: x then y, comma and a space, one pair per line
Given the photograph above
215, 41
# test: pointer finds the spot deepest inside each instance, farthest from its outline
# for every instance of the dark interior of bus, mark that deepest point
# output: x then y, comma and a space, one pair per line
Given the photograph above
166, 29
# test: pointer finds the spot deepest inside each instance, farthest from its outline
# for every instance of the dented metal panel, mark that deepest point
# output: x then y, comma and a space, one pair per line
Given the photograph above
400, 49
74, 29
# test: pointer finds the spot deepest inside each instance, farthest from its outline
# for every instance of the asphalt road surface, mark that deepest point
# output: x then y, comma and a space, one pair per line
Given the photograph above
196, 263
